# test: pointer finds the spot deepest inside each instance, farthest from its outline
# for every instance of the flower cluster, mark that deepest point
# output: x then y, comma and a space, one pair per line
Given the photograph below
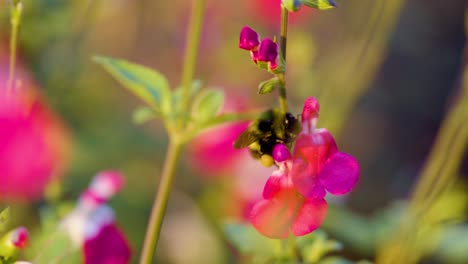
264, 53
91, 225
294, 194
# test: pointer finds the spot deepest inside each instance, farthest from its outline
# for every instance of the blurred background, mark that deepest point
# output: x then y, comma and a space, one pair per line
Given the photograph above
385, 72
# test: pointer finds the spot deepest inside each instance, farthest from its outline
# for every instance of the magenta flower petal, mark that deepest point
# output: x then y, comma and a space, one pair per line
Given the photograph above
340, 173
275, 183
310, 217
270, 218
311, 109
268, 51
249, 39
108, 247
315, 148
305, 179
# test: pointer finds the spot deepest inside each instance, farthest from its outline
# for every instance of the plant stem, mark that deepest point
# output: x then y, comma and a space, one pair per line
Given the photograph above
16, 11
193, 42
283, 43
160, 202
175, 146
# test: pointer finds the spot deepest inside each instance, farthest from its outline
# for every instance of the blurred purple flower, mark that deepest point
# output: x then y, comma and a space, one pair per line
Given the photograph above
91, 225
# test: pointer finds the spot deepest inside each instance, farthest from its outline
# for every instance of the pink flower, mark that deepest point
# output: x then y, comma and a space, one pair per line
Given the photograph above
317, 165
268, 12
91, 225
284, 210
33, 146
294, 194
212, 152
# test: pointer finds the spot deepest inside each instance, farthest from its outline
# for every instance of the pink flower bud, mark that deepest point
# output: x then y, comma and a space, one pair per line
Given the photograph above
268, 52
107, 183
281, 153
310, 113
20, 237
249, 39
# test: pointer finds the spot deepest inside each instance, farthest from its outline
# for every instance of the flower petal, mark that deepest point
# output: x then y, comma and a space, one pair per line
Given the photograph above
273, 218
315, 148
108, 247
310, 217
340, 173
305, 180
275, 183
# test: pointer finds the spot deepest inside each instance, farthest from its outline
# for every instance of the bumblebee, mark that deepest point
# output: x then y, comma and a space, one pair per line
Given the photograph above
270, 128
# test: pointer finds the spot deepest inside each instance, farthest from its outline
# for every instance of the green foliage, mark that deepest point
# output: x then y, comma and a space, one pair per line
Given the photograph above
268, 86
147, 84
250, 243
206, 105
310, 249
144, 114
49, 244
319, 4
4, 218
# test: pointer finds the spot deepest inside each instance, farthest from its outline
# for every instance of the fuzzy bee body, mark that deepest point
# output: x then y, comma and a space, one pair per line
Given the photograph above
270, 128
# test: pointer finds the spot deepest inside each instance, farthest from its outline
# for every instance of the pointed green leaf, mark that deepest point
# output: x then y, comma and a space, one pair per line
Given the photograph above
320, 4
268, 86
144, 114
206, 105
177, 94
147, 84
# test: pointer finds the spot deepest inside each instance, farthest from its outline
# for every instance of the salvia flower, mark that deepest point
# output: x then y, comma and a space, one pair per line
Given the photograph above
293, 196
317, 165
284, 210
91, 225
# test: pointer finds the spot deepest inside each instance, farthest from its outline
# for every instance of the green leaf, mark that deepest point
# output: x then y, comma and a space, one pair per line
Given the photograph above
144, 114
320, 4
147, 84
248, 241
4, 218
206, 105
268, 86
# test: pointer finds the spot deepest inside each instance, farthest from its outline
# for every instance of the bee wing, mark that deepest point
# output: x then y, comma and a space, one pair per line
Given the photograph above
246, 138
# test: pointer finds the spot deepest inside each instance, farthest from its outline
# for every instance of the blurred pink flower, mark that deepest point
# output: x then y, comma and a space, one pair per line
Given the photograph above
269, 13
91, 225
294, 194
212, 152
12, 242
34, 144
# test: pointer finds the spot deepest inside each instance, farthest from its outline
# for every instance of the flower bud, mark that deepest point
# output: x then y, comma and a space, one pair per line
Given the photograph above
310, 113
281, 153
292, 5
249, 39
268, 52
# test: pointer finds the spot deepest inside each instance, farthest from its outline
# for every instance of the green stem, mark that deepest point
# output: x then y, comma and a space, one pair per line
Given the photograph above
16, 11
193, 42
283, 44
160, 202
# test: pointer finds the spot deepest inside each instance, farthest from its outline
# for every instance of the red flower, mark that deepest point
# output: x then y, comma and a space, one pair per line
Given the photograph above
284, 210
294, 194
